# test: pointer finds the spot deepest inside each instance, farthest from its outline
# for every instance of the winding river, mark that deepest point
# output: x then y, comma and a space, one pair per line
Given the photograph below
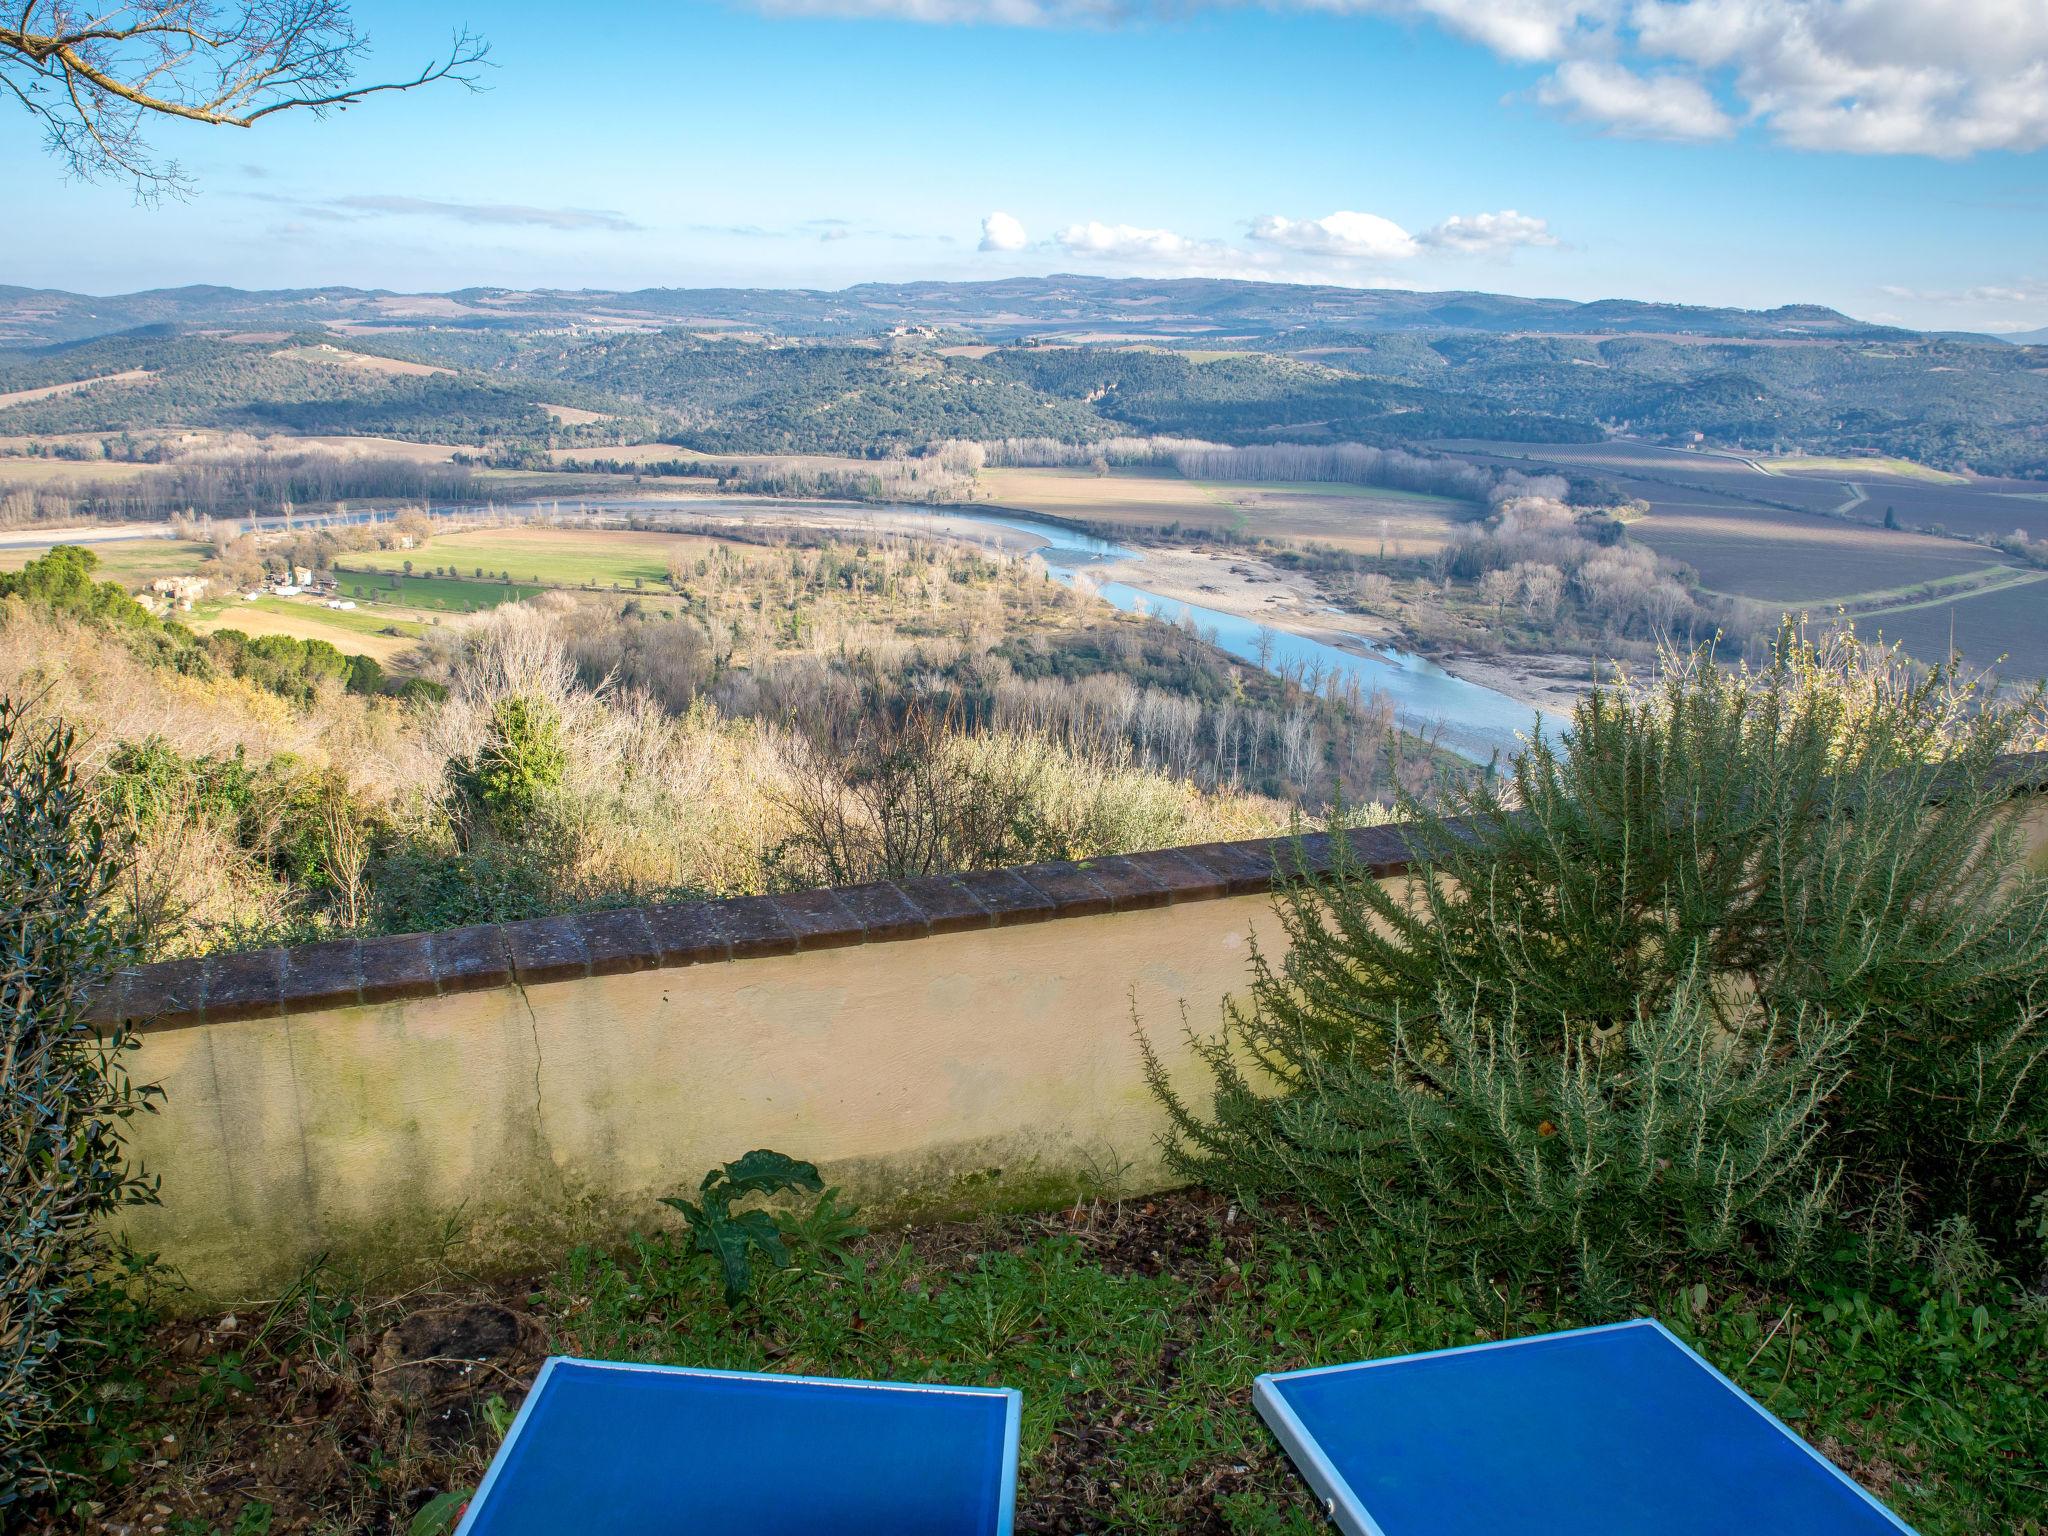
1475, 722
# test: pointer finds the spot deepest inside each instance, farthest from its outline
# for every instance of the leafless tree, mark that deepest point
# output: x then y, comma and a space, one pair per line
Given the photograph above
95, 76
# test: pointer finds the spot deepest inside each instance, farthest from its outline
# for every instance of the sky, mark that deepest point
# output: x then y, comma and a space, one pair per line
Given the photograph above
1885, 157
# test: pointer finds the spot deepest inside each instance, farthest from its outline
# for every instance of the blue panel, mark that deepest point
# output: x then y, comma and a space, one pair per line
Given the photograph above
649, 1451
1618, 1431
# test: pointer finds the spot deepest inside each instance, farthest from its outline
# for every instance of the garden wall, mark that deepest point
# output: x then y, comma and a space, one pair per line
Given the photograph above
497, 1092
934, 1045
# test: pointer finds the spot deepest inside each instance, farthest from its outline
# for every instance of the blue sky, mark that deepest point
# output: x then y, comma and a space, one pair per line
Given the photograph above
1412, 143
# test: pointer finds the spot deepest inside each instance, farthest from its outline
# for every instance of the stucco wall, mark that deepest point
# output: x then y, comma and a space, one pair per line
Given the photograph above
994, 1066
932, 1045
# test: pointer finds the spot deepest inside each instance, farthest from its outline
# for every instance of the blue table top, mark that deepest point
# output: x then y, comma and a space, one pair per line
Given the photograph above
635, 1450
1615, 1431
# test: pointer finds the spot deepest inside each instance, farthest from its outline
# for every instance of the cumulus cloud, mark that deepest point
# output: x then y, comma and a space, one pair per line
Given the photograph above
1660, 106
1934, 77
1152, 247
1001, 232
1350, 236
1488, 234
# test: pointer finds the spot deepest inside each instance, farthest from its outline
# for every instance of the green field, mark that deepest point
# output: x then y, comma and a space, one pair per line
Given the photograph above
576, 557
444, 594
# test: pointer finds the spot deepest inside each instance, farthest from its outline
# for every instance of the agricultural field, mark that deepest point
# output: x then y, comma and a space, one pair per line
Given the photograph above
2005, 630
1856, 489
1858, 468
132, 562
52, 474
383, 634
546, 556
428, 594
1985, 509
1355, 517
1780, 557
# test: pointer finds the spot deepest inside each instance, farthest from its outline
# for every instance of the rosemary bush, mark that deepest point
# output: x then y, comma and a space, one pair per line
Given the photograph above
63, 1098
1742, 952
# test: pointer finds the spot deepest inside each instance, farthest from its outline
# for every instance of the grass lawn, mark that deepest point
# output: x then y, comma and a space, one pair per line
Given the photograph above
554, 556
1133, 1330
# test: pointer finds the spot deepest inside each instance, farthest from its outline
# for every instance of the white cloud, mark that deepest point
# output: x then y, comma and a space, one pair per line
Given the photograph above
1663, 106
1001, 232
1933, 77
1488, 234
1152, 248
1349, 236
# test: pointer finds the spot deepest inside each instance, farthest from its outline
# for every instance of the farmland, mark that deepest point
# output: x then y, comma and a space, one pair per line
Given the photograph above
549, 556
1848, 468
1814, 543
2011, 623
1789, 558
441, 594
1355, 517
381, 634
132, 562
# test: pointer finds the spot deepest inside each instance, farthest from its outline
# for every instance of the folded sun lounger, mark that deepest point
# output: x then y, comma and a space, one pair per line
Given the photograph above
641, 1450
1614, 1431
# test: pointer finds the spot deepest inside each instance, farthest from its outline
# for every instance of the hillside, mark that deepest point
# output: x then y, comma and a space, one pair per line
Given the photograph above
1005, 309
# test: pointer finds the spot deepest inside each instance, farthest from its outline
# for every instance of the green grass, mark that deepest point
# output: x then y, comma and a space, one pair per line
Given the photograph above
554, 556
1133, 1333
1940, 1402
360, 621
449, 594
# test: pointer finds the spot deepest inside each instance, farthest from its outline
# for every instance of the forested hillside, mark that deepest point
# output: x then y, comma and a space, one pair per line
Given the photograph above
1795, 381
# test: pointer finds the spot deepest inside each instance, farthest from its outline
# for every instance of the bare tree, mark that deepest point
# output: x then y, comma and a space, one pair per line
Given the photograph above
95, 76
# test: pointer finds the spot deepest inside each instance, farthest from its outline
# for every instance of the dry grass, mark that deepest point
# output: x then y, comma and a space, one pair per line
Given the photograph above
361, 362
132, 562
64, 474
306, 619
573, 416
1856, 467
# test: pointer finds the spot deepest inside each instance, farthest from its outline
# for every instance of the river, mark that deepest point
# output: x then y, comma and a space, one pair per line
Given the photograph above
1476, 722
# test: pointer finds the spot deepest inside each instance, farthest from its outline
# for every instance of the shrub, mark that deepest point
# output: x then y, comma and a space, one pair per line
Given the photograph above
1736, 940
1472, 1146
522, 759
64, 1096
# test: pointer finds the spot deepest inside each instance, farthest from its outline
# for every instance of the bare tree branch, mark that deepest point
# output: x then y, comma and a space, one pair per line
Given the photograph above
95, 78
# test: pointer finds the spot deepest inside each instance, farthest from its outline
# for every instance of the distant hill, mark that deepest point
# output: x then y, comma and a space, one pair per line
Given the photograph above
2027, 338
1007, 310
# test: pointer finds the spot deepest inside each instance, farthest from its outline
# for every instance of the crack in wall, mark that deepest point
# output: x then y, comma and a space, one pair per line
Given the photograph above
540, 1119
